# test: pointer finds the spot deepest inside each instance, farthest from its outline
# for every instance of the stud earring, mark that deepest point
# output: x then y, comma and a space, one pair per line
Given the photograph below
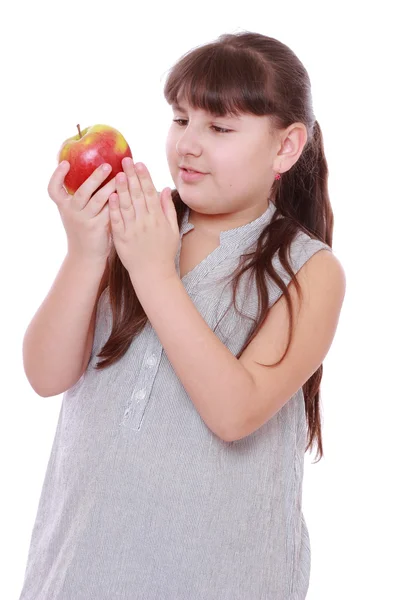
278, 176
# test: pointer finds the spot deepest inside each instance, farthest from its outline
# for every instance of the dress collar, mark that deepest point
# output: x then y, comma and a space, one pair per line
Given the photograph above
231, 235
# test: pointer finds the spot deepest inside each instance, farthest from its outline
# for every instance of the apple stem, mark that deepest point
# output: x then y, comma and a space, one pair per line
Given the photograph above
79, 130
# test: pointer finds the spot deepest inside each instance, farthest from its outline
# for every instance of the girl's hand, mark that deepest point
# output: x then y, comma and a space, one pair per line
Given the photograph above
144, 225
85, 215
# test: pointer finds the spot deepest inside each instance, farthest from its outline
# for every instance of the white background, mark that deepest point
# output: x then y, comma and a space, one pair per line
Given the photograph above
65, 63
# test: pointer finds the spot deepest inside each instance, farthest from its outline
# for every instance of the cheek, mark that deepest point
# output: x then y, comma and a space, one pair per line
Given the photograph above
231, 163
170, 148
231, 171
239, 176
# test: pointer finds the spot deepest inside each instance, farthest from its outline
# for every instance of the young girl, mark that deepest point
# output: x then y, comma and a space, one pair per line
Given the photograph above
177, 465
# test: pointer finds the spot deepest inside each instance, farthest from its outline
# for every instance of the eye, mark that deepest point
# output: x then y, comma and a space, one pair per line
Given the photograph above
217, 129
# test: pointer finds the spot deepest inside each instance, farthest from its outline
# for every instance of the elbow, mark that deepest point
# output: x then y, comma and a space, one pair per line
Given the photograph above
246, 427
41, 392
229, 438
224, 433
236, 432
232, 436
44, 391
239, 423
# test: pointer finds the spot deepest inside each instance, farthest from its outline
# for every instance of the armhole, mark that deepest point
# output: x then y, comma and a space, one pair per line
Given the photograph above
303, 247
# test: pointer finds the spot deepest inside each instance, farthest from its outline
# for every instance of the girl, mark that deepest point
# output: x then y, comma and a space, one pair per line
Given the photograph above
177, 465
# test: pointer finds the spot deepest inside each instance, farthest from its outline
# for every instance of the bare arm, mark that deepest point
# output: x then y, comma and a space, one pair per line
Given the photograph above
90, 337
55, 345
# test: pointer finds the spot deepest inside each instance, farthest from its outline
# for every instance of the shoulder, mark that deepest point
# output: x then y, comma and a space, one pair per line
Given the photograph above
314, 264
313, 258
323, 271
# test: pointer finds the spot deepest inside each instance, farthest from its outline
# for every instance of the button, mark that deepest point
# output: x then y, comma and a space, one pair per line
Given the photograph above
140, 394
151, 361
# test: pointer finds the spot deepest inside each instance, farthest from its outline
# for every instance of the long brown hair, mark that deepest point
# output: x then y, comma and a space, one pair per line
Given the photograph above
247, 73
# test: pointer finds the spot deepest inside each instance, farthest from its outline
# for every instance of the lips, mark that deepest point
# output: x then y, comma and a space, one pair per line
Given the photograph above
190, 170
188, 177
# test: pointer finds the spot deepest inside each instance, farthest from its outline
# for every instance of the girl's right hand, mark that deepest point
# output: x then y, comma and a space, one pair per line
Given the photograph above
85, 215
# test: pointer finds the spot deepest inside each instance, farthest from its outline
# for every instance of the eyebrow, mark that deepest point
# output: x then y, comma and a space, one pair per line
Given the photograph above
176, 106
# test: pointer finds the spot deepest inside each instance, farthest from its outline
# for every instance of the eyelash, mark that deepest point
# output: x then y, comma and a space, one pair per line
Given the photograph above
221, 129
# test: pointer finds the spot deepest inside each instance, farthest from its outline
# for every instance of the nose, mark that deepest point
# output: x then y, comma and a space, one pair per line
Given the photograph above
188, 143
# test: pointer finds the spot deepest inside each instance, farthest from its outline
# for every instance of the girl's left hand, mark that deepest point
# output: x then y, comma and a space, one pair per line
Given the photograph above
144, 225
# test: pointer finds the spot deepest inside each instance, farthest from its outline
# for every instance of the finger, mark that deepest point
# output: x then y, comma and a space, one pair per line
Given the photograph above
135, 190
116, 221
55, 188
88, 187
149, 191
99, 199
125, 200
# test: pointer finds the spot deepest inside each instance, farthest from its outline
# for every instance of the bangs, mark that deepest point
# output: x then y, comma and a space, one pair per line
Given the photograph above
223, 81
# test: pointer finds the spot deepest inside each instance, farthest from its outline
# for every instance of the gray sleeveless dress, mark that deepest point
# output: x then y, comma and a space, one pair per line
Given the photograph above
142, 501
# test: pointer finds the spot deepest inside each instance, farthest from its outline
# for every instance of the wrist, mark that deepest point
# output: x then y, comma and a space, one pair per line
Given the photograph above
150, 280
85, 262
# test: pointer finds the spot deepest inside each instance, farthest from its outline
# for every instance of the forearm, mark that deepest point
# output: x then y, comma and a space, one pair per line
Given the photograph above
215, 380
55, 340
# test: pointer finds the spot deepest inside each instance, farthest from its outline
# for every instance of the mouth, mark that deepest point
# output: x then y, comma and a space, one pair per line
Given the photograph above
189, 176
191, 171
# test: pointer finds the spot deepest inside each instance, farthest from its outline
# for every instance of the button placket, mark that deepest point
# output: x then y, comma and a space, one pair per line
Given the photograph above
151, 361
133, 414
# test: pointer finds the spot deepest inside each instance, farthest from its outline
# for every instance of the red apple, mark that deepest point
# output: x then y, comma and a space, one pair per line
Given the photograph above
90, 148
